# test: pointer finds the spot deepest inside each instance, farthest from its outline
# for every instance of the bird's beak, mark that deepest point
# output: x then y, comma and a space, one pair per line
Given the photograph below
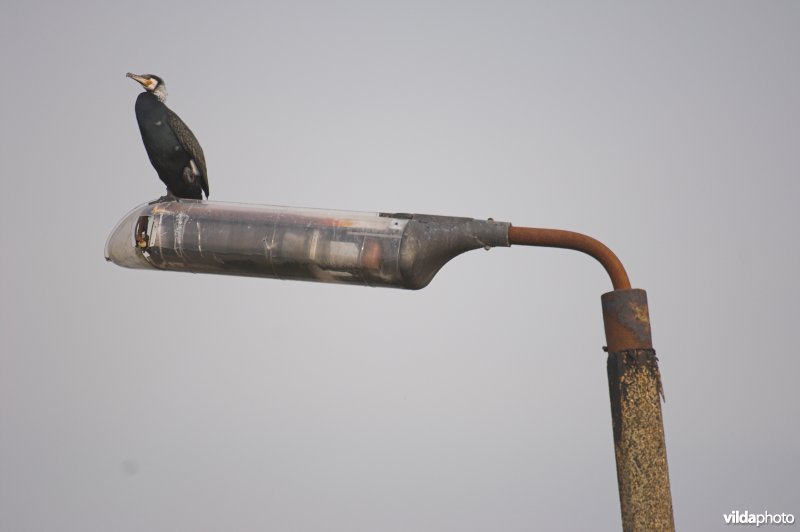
144, 81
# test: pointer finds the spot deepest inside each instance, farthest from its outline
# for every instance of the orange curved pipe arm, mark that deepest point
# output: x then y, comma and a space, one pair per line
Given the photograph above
556, 238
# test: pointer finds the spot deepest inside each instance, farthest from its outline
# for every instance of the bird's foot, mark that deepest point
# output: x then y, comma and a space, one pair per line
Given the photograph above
169, 196
163, 199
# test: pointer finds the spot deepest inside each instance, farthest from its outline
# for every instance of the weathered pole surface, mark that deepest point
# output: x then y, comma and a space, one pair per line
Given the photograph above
634, 384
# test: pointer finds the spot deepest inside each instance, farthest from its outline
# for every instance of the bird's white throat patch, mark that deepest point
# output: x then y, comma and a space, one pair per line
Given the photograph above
160, 91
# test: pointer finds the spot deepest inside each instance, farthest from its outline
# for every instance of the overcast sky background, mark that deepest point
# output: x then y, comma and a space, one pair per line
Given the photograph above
134, 400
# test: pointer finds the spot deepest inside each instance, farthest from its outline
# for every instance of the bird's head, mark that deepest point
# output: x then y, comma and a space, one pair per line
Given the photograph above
151, 83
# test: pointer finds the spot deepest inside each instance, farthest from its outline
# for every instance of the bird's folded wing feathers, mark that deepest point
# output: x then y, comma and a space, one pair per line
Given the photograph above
189, 143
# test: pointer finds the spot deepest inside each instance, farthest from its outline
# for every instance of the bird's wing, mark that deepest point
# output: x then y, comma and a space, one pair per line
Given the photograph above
190, 144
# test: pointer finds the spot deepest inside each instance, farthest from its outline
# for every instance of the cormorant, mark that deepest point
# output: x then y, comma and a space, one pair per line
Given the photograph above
172, 147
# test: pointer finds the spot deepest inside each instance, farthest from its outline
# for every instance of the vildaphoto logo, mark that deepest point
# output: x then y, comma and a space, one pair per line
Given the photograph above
764, 518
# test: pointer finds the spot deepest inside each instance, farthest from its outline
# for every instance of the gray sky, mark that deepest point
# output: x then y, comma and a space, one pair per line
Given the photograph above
134, 400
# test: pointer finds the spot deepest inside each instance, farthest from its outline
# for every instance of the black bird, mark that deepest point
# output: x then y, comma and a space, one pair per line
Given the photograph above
172, 147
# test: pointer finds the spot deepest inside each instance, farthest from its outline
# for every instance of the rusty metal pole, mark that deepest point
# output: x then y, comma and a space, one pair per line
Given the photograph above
634, 386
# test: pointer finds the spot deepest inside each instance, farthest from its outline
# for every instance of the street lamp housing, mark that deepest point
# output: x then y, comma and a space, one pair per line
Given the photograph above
374, 249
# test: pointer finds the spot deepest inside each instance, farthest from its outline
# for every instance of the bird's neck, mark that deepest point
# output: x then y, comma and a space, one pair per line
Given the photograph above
161, 93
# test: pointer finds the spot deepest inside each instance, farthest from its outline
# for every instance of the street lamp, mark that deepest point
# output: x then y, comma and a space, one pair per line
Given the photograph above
401, 250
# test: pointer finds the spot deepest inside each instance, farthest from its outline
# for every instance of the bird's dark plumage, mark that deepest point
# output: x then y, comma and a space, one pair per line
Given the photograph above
170, 144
